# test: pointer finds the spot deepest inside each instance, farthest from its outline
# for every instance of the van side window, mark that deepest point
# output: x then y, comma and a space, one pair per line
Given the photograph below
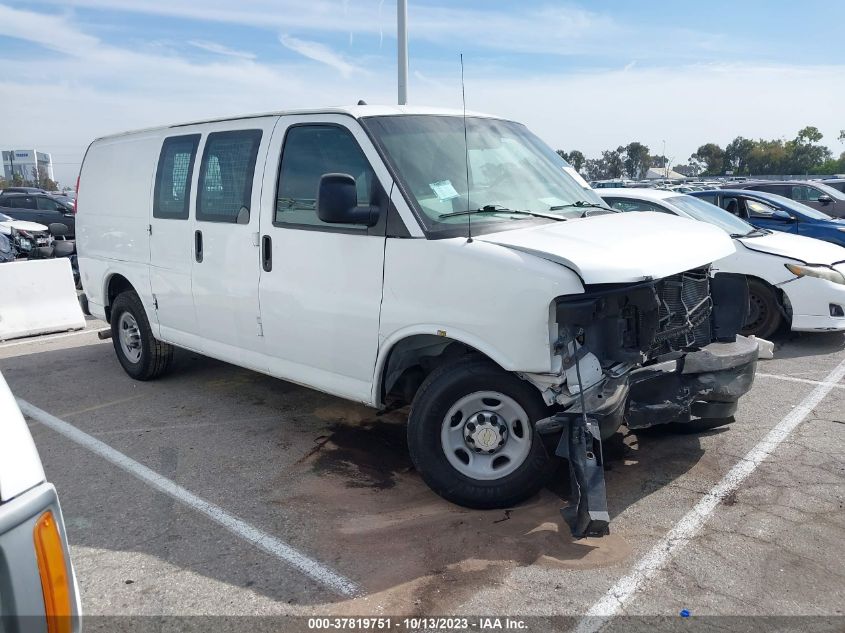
226, 173
173, 176
309, 152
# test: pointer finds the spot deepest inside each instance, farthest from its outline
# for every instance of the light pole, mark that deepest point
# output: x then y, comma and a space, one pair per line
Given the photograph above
665, 161
402, 49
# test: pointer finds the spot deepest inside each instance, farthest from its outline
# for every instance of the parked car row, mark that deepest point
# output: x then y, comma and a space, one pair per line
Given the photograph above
813, 193
777, 213
39, 207
21, 239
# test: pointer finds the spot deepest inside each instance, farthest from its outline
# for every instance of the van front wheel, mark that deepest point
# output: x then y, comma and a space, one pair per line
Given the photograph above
142, 356
471, 435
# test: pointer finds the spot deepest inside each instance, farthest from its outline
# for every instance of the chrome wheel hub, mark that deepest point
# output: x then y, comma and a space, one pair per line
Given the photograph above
129, 337
486, 435
485, 432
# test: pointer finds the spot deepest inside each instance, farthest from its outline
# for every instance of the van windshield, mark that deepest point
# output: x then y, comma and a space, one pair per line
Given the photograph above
498, 172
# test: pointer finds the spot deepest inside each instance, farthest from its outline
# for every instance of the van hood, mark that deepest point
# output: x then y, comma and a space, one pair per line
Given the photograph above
797, 247
621, 247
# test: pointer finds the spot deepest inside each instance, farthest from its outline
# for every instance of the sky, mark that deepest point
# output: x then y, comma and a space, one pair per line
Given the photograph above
582, 75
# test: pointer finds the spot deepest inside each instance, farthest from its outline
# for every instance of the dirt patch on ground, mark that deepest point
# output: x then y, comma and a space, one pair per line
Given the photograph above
364, 449
404, 544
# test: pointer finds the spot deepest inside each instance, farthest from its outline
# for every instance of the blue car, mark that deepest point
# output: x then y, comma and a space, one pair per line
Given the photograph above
776, 213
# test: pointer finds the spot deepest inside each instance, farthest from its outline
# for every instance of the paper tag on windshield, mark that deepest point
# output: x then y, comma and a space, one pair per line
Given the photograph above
552, 201
571, 171
443, 189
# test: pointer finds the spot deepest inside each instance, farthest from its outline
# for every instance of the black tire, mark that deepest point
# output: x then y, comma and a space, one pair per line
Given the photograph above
765, 316
155, 356
442, 389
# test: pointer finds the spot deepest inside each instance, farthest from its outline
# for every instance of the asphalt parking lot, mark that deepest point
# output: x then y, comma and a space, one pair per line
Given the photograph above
284, 471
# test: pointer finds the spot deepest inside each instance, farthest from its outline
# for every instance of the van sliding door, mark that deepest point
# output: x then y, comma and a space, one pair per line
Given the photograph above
224, 241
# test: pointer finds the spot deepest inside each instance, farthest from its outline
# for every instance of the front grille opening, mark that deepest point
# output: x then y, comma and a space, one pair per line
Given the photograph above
684, 308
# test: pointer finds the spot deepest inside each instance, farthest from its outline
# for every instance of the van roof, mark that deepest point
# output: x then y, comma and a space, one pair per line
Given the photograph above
356, 111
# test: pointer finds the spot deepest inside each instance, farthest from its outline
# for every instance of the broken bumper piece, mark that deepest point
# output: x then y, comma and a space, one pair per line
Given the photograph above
707, 383
704, 384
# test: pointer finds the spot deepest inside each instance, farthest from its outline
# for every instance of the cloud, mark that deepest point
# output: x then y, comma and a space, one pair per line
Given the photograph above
98, 88
219, 49
549, 29
46, 30
320, 53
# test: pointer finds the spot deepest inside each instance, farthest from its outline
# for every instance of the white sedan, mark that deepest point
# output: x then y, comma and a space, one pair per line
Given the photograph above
791, 278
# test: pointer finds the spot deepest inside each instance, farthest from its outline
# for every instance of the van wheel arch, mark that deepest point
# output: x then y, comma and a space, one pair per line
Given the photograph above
410, 361
115, 285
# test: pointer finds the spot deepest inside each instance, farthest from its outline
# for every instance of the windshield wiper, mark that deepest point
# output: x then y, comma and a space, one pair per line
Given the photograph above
751, 233
494, 208
581, 204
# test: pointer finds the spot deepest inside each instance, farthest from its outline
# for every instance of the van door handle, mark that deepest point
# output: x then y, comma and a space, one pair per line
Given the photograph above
198, 245
267, 253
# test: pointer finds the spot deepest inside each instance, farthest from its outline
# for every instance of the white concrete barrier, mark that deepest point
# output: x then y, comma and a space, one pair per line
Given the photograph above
37, 297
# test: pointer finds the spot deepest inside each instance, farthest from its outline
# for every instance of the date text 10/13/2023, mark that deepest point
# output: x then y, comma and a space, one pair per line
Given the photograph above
410, 624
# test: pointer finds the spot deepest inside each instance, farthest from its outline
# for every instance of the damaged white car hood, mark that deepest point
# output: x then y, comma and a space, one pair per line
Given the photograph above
21, 225
621, 247
803, 249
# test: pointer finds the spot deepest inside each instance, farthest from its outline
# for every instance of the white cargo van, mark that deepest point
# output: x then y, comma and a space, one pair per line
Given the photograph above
397, 255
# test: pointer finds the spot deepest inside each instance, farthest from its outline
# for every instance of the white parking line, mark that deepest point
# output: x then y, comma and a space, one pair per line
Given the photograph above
806, 381
613, 602
241, 528
44, 339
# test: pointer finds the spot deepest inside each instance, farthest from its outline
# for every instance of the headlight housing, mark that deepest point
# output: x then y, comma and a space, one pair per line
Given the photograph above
821, 272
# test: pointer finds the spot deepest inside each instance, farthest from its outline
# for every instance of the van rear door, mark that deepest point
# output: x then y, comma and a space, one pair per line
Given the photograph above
225, 239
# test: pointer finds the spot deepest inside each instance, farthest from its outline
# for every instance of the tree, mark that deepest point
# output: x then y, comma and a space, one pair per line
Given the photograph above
574, 158
805, 153
577, 159
637, 159
737, 153
614, 165
594, 169
710, 157
769, 157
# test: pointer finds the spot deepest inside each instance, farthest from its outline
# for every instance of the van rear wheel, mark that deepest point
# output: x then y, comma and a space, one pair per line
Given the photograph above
142, 356
471, 435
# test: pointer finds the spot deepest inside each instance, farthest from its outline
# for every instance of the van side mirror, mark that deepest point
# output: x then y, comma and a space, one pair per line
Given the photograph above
337, 202
824, 198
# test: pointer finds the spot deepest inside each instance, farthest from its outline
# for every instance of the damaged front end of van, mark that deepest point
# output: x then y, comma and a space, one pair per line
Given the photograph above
656, 352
